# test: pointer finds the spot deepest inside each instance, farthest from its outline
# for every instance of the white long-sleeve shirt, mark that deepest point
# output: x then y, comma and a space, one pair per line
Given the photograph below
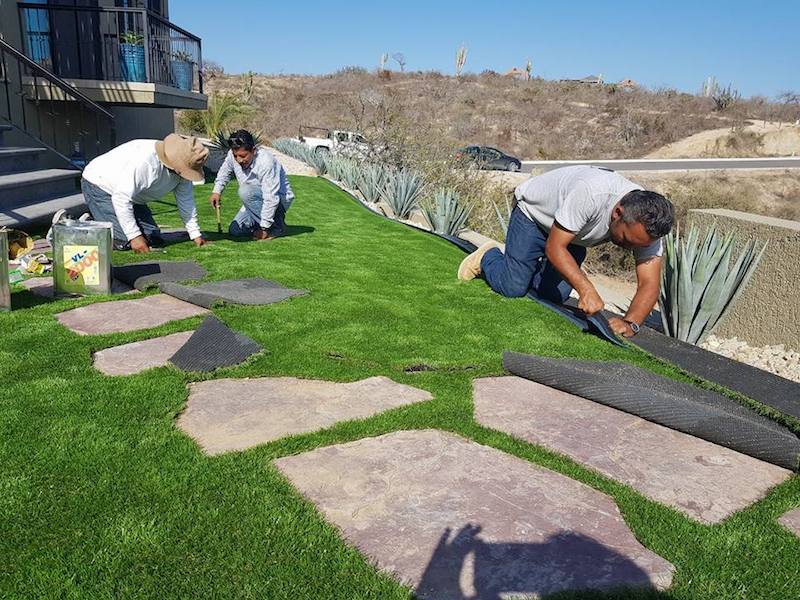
133, 174
265, 172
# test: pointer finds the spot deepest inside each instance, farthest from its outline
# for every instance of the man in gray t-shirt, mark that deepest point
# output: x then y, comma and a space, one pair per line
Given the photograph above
557, 216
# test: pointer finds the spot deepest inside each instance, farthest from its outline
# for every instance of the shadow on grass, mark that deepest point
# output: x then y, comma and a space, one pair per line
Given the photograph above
291, 230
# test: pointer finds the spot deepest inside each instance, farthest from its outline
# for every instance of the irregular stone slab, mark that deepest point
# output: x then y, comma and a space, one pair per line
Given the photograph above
212, 346
234, 414
791, 520
703, 480
127, 315
129, 359
455, 519
43, 286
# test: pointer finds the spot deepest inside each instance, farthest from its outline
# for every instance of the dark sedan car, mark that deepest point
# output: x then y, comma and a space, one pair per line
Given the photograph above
489, 158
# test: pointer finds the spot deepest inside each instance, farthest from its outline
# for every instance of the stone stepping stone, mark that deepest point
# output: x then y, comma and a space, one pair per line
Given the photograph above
43, 287
234, 414
702, 480
127, 315
454, 519
791, 520
129, 359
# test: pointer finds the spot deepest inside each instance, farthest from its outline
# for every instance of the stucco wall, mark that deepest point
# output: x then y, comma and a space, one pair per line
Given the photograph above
142, 122
768, 311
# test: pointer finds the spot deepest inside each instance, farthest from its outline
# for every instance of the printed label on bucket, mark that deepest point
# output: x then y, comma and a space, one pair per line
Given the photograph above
82, 264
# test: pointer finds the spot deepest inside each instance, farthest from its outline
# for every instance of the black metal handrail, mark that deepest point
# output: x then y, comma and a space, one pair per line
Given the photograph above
111, 44
53, 112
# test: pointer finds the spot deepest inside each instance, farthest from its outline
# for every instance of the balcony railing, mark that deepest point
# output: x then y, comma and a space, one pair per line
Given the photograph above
77, 131
111, 44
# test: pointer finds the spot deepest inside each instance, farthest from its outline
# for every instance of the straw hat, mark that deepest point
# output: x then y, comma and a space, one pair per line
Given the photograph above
184, 155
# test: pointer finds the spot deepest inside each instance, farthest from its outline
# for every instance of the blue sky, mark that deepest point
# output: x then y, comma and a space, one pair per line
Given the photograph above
753, 45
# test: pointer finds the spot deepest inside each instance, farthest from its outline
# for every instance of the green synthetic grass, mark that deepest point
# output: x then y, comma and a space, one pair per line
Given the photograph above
102, 497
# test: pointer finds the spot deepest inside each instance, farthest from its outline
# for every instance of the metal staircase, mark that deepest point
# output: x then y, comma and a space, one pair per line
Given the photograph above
51, 122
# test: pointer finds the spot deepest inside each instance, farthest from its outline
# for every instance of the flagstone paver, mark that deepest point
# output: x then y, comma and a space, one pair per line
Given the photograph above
791, 520
127, 315
129, 359
234, 414
43, 286
703, 480
455, 519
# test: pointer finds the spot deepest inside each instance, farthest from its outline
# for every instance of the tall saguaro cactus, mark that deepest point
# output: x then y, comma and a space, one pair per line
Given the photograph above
529, 69
461, 59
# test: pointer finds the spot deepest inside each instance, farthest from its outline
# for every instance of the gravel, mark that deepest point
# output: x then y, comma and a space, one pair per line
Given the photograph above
775, 359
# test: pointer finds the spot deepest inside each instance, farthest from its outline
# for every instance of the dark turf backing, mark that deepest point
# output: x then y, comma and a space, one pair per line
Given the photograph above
149, 274
214, 345
670, 403
762, 386
254, 291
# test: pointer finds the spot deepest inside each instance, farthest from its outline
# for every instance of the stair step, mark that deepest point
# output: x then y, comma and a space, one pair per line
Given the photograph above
19, 189
3, 129
16, 160
42, 212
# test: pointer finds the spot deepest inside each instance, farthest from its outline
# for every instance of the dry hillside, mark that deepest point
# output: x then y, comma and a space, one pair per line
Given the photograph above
530, 119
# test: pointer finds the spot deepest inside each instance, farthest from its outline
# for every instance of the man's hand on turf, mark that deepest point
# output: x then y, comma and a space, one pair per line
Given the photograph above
590, 301
201, 241
139, 245
215, 200
620, 327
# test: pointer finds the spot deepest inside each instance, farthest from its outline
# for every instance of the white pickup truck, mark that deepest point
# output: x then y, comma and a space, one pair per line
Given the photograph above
345, 143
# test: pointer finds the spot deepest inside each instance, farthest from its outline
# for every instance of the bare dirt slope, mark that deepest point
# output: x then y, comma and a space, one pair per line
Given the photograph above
754, 138
529, 119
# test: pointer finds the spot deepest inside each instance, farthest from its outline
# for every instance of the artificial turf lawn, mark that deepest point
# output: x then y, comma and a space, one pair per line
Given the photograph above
101, 496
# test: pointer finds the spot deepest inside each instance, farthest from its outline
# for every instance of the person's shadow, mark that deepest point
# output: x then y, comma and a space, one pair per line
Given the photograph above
290, 231
570, 565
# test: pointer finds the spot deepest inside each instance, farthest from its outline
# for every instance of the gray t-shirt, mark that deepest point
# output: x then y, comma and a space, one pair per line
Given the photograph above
581, 199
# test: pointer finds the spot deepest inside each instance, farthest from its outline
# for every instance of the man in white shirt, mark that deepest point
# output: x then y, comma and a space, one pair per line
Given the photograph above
263, 188
118, 185
557, 216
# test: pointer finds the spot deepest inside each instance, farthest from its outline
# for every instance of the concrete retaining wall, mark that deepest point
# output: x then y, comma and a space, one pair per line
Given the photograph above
768, 311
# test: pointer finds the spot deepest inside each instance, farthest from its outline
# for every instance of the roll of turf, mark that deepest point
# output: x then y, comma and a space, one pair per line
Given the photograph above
253, 292
674, 404
149, 274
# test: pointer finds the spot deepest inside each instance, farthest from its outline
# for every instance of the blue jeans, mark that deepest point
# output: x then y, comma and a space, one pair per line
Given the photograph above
99, 203
248, 219
524, 267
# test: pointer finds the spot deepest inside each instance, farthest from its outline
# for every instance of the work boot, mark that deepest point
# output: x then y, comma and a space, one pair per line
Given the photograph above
470, 267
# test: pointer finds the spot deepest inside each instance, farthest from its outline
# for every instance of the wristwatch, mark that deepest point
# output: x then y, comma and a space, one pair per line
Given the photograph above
633, 325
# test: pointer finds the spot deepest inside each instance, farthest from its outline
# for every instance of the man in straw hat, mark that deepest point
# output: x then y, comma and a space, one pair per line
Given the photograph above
118, 185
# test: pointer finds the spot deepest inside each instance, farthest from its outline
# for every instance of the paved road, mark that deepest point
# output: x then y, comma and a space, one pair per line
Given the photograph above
669, 164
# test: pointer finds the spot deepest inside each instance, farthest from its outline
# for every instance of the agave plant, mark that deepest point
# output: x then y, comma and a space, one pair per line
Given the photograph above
349, 173
401, 192
317, 160
698, 283
503, 218
370, 181
446, 214
289, 147
219, 140
335, 167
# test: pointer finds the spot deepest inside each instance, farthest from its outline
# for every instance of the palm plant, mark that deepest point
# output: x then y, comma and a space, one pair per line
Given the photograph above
446, 214
222, 108
401, 191
698, 283
370, 181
